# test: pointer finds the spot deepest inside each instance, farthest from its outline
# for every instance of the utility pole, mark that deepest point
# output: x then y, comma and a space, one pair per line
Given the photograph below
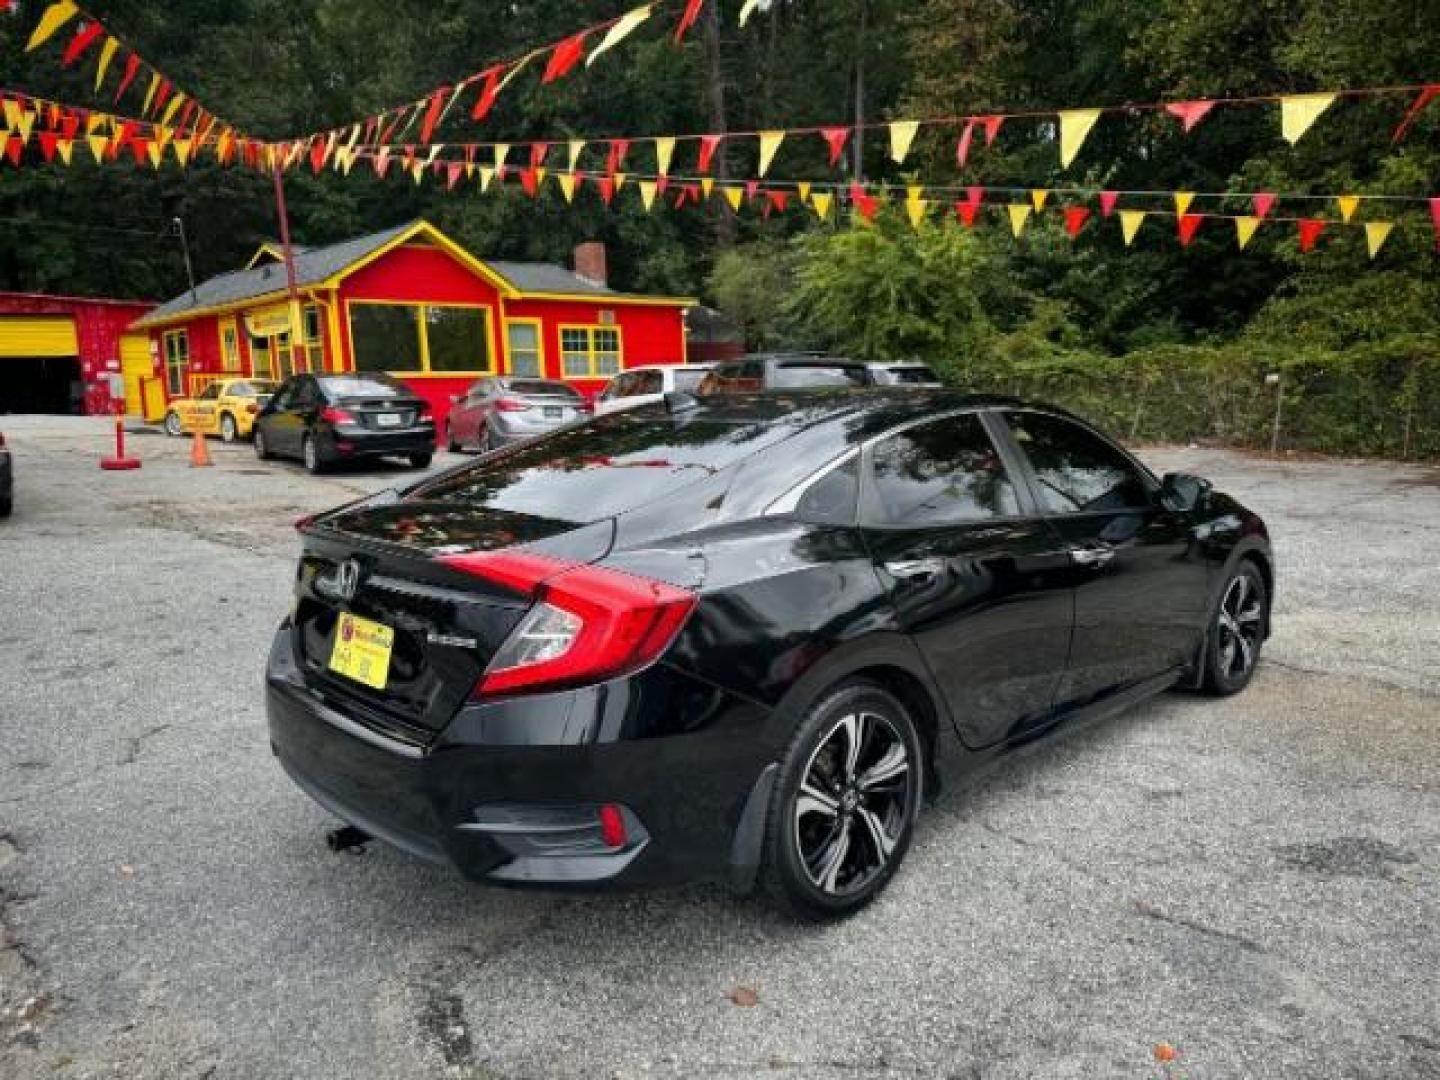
178, 227
296, 334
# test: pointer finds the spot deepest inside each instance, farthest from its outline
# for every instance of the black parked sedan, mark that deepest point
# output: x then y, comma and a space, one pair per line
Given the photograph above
732, 638
326, 419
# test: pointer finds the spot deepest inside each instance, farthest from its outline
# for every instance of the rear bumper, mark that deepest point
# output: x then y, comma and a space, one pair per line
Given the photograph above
504, 432
486, 795
362, 442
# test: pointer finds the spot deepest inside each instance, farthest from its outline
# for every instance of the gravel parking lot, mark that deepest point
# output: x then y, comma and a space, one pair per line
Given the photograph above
1254, 883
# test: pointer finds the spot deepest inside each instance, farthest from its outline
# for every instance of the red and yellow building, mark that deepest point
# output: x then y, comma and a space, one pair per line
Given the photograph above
411, 302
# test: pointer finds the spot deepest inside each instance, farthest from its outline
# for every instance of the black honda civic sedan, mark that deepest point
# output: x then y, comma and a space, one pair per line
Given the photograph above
733, 638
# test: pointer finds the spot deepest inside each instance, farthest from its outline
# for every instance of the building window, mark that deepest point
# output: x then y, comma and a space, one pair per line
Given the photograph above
230, 347
177, 360
314, 339
262, 363
523, 340
420, 338
588, 352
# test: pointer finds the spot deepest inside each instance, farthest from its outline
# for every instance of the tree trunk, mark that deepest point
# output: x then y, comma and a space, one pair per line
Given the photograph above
859, 136
715, 94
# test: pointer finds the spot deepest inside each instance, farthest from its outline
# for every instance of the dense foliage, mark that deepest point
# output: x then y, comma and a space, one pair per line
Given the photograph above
1157, 340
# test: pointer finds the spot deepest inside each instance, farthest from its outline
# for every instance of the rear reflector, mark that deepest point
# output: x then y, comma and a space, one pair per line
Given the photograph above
612, 826
588, 623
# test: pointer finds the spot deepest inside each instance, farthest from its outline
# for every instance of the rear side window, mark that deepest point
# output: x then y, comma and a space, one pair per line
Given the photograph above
944, 472
795, 375
689, 381
1077, 470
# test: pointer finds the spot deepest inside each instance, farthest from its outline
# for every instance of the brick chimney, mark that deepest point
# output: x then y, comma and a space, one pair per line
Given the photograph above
590, 262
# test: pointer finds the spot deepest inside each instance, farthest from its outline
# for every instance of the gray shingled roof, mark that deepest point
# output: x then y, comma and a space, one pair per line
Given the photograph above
533, 277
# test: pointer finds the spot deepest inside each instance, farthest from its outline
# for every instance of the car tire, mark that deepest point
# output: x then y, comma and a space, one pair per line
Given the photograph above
421, 461
173, 427
845, 803
1237, 631
262, 449
450, 443
229, 430
311, 456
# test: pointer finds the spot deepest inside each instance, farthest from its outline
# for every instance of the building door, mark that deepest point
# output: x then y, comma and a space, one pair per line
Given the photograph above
40, 365
144, 395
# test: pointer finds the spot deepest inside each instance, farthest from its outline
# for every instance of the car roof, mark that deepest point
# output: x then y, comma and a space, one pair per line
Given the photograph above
864, 411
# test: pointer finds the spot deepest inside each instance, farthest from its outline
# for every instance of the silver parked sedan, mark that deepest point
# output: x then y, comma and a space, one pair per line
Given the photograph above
498, 410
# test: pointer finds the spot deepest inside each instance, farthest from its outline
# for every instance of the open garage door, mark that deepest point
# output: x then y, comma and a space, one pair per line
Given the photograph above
39, 365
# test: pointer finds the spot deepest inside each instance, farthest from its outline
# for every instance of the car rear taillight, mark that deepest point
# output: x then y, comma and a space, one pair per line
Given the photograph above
333, 415
588, 623
2, 438
252, 408
508, 404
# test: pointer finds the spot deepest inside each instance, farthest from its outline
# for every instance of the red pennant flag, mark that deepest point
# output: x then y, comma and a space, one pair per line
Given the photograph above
140, 147
454, 171
14, 149
69, 125
607, 188
132, 68
680, 198
530, 181
186, 113
687, 20
966, 213
537, 154
618, 149
163, 94
432, 113
751, 187
1187, 225
662, 184
371, 127
708, 145
84, 37
1427, 95
48, 139
1310, 230
975, 194
962, 149
564, 57
409, 160
1075, 217
1435, 217
864, 202
835, 138
382, 164
992, 128
1263, 202
488, 93
7, 6
318, 153
389, 132
778, 199
1107, 202
1189, 113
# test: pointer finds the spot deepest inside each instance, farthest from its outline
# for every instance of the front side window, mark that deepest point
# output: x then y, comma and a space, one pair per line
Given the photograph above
943, 472
588, 352
1077, 470
314, 339
177, 360
650, 382
523, 339
210, 393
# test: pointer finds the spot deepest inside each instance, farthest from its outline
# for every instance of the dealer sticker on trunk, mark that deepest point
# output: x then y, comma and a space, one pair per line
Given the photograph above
362, 650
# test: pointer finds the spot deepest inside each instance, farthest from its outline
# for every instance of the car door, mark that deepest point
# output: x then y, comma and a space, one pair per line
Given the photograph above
271, 421
978, 581
292, 420
1141, 579
203, 415
463, 422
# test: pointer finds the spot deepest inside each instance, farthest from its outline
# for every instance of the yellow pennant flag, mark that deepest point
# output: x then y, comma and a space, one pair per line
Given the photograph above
12, 113
821, 201
576, 145
182, 150
915, 210
647, 193
620, 179
1376, 233
157, 153
1038, 197
107, 53
1075, 125
567, 185
1348, 205
1183, 199
487, 174
540, 172
66, 149
769, 143
98, 145
502, 151
733, 196
619, 32
1244, 229
150, 94
417, 172
707, 185
747, 9
902, 134
21, 123
163, 135
1298, 112
172, 108
803, 190
56, 16
1130, 224
664, 151
1019, 214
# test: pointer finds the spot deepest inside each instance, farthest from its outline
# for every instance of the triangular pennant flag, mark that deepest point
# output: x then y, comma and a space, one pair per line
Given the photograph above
606, 186
1244, 229
733, 196
1075, 218
66, 147
1262, 202
962, 148
98, 144
567, 185
155, 152
991, 124
1376, 233
751, 187
85, 36
132, 68
48, 139
616, 157
1075, 125
769, 143
1299, 111
1107, 202
620, 179
835, 138
501, 151
1130, 222
487, 176
1435, 218
6, 142
1186, 225
1427, 95
865, 203
163, 94
664, 151
530, 181
150, 94
564, 57
182, 149
21, 123
647, 192
821, 202
107, 53
432, 113
488, 93
777, 199
619, 32
902, 134
1348, 205
747, 9
1310, 230
687, 18
1019, 214
802, 190
1038, 197
965, 211
1189, 113
454, 173
170, 110
56, 16
575, 146
1183, 199
707, 185
538, 150
708, 146
915, 211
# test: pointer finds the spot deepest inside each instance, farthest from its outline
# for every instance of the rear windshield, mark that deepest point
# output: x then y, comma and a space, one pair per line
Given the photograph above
370, 386
541, 388
790, 375
612, 464
689, 380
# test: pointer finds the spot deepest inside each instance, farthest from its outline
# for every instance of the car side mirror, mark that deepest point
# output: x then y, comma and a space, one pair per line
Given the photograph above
1182, 492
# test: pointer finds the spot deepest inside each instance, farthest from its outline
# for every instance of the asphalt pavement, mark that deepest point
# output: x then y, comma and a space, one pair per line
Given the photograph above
1248, 888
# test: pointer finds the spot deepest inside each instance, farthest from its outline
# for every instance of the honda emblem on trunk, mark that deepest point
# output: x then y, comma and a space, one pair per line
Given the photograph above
347, 580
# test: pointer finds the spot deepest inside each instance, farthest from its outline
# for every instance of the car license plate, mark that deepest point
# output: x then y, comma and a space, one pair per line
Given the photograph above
362, 650
553, 412
387, 419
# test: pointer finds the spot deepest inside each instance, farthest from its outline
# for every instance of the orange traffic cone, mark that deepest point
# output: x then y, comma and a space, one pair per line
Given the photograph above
199, 452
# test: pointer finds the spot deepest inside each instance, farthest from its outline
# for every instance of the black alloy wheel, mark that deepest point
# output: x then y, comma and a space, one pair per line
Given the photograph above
1237, 632
845, 803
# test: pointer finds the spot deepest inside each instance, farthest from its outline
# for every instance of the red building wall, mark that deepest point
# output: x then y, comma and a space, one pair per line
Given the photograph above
649, 333
98, 326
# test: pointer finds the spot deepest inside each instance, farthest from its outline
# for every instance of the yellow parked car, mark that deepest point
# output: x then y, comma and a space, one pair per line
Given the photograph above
226, 408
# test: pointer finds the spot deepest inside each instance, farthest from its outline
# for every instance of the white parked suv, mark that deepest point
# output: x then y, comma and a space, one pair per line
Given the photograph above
642, 385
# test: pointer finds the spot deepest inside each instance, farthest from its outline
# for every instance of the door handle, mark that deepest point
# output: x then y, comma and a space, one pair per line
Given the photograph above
915, 569
1094, 556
